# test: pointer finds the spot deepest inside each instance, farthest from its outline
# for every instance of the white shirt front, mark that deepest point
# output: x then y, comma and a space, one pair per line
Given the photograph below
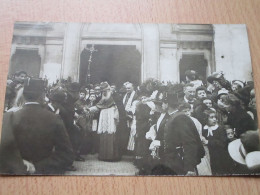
160, 120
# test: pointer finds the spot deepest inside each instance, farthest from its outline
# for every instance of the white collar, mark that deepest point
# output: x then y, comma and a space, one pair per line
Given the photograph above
211, 129
160, 120
29, 103
51, 107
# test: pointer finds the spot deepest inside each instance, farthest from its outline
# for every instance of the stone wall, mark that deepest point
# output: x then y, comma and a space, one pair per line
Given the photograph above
232, 54
224, 47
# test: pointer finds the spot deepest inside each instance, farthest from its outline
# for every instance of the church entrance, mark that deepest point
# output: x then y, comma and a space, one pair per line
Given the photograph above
195, 62
26, 60
112, 63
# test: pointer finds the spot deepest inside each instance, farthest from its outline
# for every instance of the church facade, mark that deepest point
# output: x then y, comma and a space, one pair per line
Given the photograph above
162, 51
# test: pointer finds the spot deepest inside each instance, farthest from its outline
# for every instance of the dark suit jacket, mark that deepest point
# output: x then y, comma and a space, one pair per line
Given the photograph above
183, 148
42, 139
241, 121
160, 133
11, 161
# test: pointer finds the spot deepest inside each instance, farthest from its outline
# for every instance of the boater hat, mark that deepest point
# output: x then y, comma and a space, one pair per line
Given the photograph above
238, 149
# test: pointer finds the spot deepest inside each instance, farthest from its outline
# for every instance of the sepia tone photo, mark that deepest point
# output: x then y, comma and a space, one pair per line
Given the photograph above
130, 99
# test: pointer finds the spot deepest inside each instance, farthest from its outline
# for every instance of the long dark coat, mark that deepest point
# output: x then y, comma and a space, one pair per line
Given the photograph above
122, 132
156, 164
183, 148
41, 139
241, 121
11, 161
220, 161
142, 127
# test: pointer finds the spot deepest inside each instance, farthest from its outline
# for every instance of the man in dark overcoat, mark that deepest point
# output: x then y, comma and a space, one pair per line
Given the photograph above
183, 149
38, 135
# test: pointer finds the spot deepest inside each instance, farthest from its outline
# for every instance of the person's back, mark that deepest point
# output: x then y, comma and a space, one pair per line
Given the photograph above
183, 148
42, 138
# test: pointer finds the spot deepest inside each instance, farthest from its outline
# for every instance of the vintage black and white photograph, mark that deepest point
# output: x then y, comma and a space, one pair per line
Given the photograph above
131, 100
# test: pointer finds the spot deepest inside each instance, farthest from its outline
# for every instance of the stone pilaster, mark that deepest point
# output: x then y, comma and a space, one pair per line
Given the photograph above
71, 51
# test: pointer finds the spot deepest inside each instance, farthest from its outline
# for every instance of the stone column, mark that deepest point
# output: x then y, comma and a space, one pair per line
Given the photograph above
71, 51
150, 62
169, 70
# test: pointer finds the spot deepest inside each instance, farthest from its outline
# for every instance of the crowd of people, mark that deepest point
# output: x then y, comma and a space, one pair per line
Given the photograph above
168, 128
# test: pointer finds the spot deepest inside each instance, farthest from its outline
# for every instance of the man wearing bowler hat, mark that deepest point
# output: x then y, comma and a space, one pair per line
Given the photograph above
39, 136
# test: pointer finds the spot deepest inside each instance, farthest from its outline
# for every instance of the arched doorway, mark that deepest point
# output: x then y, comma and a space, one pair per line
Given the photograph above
195, 62
26, 60
113, 63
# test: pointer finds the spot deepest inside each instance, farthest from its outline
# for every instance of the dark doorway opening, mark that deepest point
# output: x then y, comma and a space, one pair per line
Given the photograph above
112, 63
26, 60
195, 62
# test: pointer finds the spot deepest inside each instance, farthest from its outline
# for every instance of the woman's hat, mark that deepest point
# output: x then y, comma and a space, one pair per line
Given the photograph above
91, 91
238, 82
74, 87
222, 91
58, 95
104, 86
215, 77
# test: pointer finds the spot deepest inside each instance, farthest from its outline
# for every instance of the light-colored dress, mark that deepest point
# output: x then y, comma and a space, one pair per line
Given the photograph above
204, 167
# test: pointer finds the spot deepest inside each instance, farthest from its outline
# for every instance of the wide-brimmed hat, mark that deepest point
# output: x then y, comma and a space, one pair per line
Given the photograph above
20, 72
104, 86
174, 95
58, 95
238, 82
238, 149
222, 91
244, 94
74, 87
91, 91
217, 76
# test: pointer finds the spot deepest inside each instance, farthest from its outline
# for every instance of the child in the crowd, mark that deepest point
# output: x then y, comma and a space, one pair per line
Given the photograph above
230, 133
205, 103
93, 137
216, 140
91, 101
237, 168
